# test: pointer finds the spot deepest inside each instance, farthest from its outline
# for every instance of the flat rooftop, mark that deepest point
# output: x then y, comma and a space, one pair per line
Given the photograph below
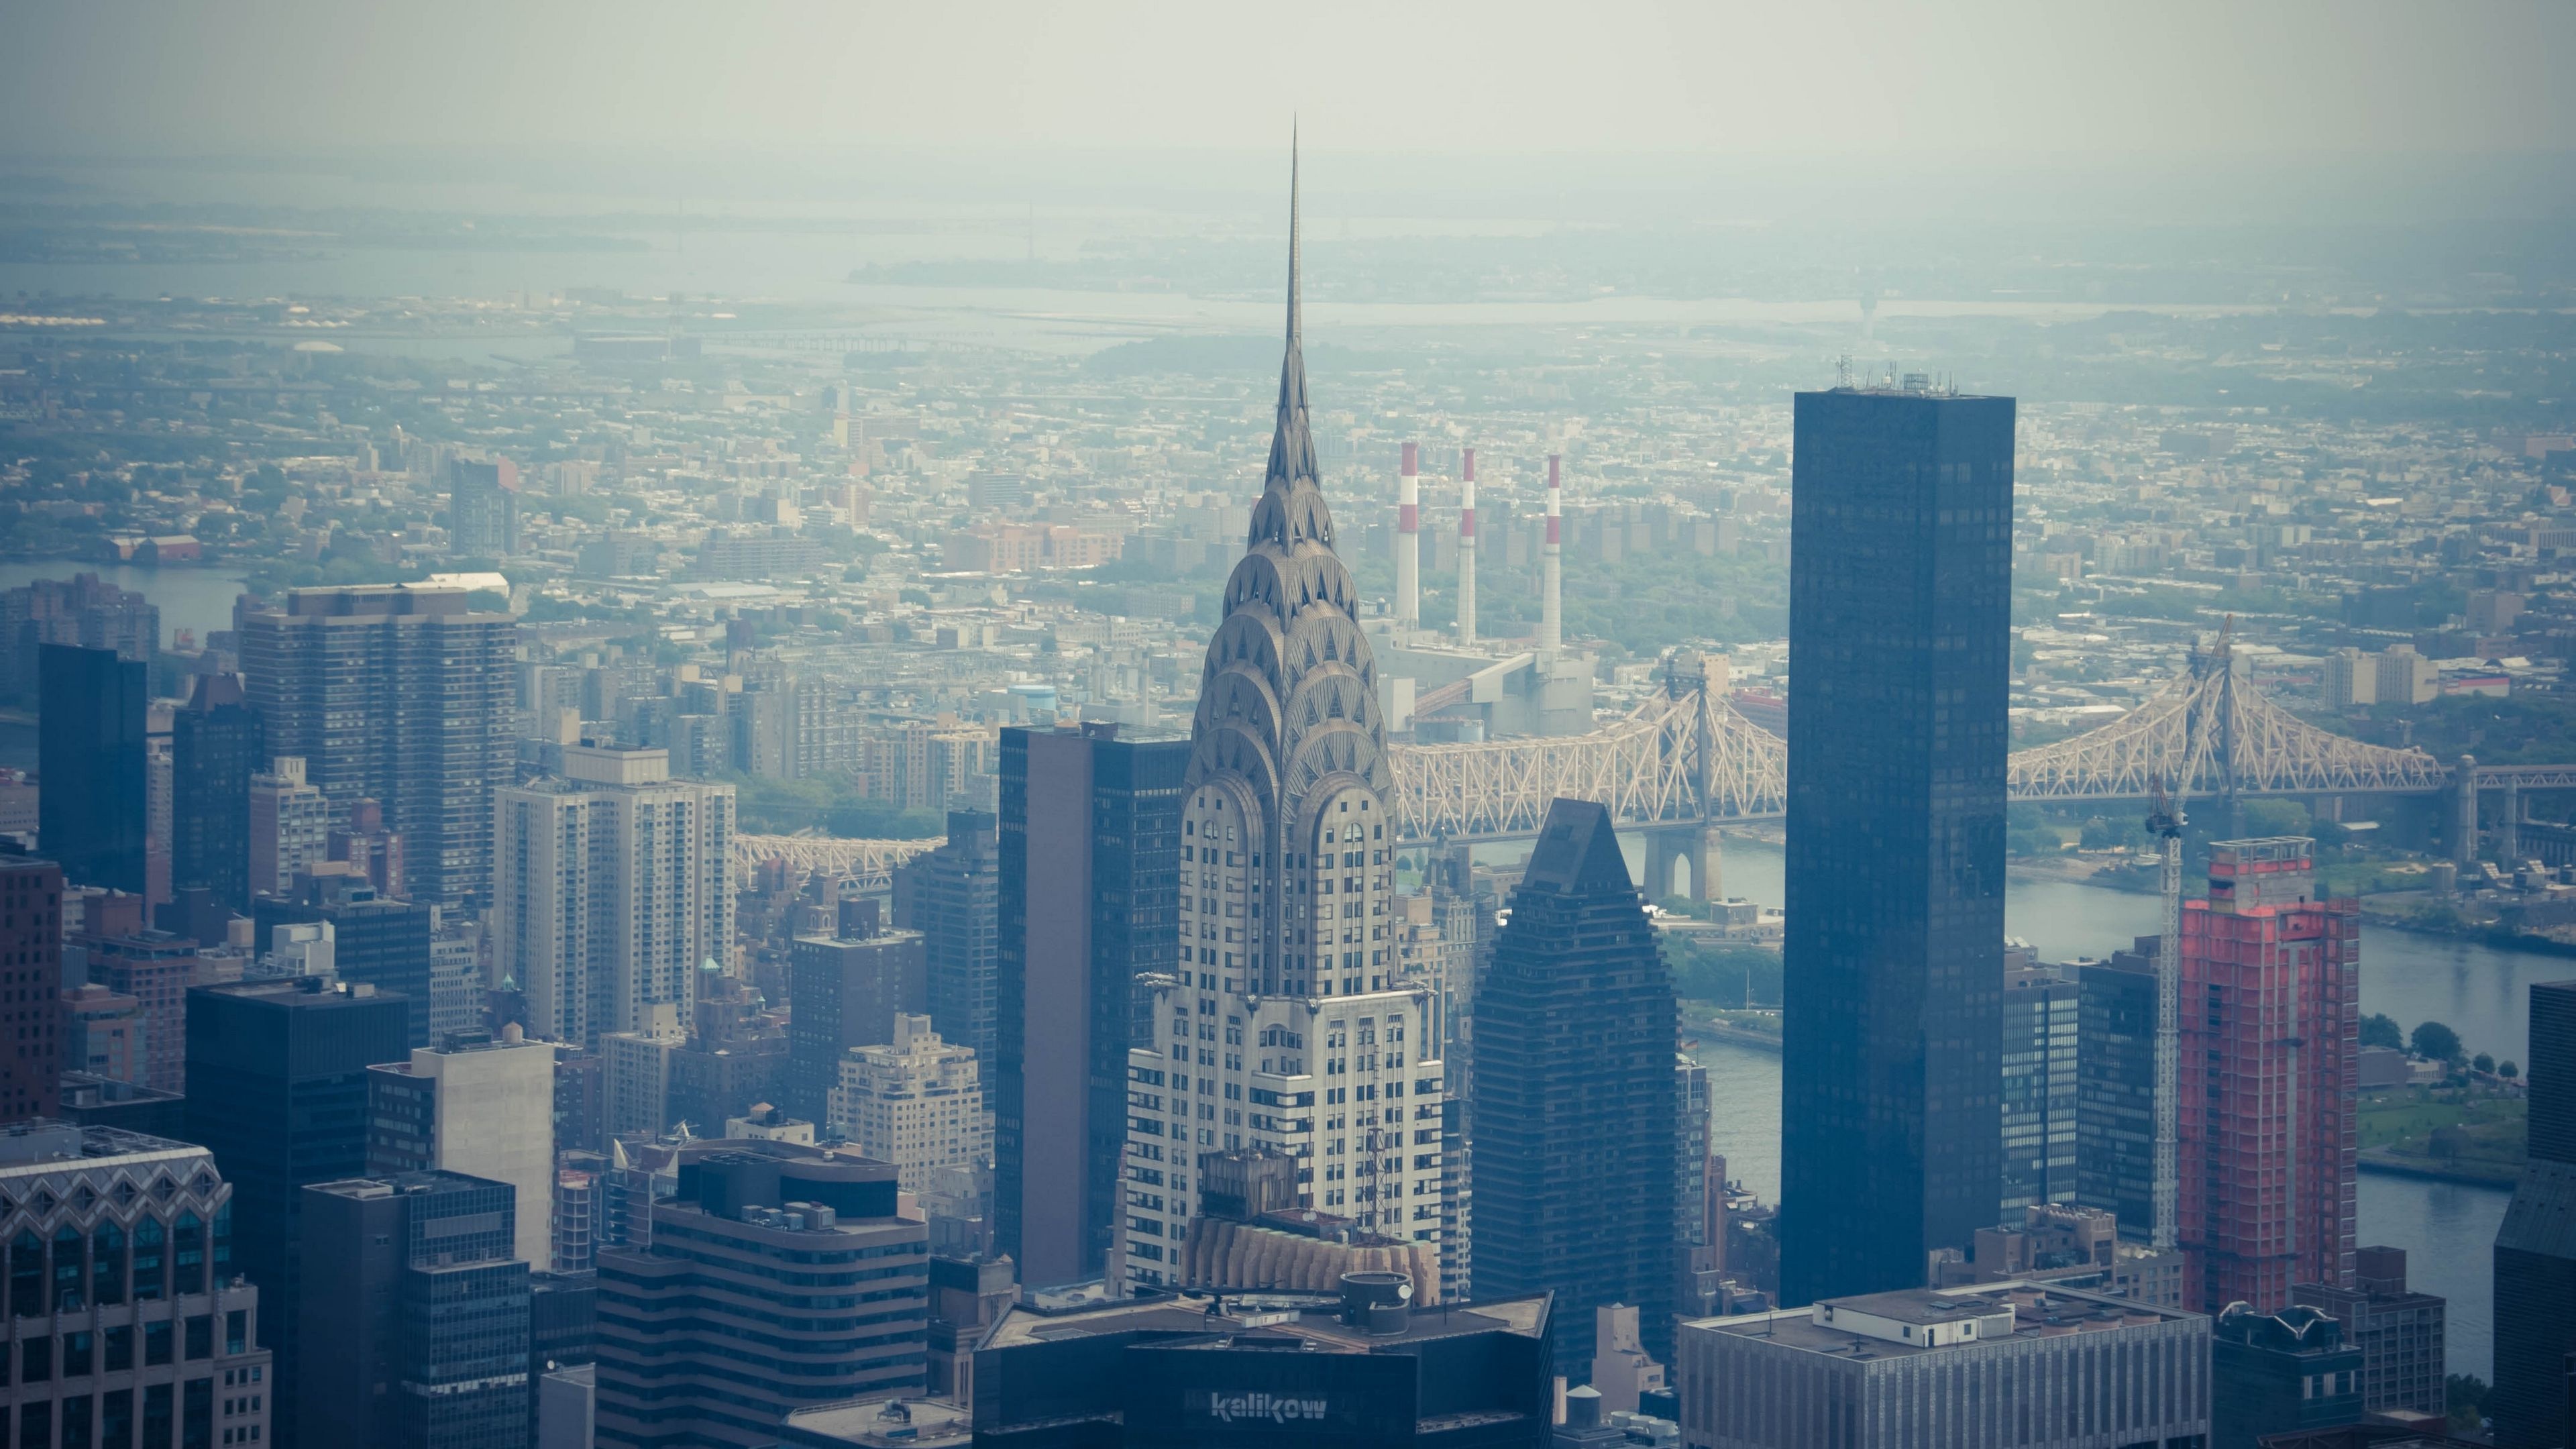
2039, 1309
1267, 1320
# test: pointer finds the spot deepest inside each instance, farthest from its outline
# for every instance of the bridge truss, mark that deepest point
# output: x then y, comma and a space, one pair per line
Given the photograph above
1687, 758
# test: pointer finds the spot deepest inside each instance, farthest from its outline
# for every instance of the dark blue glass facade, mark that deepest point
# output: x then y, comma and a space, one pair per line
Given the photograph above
1900, 602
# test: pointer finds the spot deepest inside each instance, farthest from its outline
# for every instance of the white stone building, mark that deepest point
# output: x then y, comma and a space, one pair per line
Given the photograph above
917, 1102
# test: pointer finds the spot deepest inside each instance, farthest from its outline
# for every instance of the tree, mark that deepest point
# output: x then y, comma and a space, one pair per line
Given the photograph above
2382, 1031
2465, 1399
2507, 1070
2435, 1042
2482, 1063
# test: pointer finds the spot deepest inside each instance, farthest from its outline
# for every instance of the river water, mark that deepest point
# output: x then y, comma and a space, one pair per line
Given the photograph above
2447, 1229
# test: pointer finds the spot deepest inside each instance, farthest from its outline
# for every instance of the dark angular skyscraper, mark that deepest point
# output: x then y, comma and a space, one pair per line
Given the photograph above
1090, 898
1900, 598
89, 751
216, 745
1573, 1093
952, 896
277, 1090
2535, 1249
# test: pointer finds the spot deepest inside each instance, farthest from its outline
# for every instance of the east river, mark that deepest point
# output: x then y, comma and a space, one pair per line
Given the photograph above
2446, 1229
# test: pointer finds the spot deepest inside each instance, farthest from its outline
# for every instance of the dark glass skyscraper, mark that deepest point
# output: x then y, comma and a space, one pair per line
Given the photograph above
277, 1090
378, 942
1900, 599
1573, 1093
1090, 897
2115, 1088
415, 1314
89, 751
952, 896
2535, 1249
216, 745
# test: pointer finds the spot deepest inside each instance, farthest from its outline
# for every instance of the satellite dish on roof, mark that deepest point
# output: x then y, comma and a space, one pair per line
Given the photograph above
1403, 1291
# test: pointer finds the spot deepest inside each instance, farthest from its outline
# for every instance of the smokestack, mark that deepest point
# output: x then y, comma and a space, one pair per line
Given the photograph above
1467, 551
1408, 542
1551, 617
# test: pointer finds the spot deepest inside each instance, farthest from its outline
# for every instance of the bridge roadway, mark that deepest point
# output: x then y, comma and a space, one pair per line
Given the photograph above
1686, 760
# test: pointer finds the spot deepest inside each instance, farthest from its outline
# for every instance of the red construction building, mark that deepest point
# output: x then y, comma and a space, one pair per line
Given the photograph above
2270, 1021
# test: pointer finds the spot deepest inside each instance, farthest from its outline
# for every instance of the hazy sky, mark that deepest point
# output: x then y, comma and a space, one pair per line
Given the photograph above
1990, 78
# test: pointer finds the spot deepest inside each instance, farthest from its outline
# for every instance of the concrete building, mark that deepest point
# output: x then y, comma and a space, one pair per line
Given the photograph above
917, 1102
2267, 1121
127, 1310
612, 892
2025, 1364
2278, 1373
1622, 1370
400, 693
278, 1092
90, 753
741, 1309
83, 612
1900, 638
154, 968
2535, 1253
846, 990
414, 1315
2400, 1334
2039, 1097
290, 826
2351, 679
476, 1106
455, 974
31, 988
1573, 1093
1090, 870
2405, 677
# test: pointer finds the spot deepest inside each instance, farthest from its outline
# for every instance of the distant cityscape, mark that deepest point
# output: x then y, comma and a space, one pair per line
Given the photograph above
750, 882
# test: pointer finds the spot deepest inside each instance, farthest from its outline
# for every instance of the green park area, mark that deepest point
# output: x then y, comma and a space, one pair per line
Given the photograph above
2465, 1133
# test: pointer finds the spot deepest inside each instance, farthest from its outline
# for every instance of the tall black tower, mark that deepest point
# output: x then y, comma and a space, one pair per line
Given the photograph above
1900, 597
89, 755
2535, 1248
1573, 1093
216, 745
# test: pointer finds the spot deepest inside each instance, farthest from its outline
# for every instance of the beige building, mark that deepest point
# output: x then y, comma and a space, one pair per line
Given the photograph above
609, 889
917, 1102
290, 826
476, 1106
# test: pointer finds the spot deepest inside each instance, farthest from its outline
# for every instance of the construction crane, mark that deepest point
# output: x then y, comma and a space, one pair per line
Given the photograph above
2165, 821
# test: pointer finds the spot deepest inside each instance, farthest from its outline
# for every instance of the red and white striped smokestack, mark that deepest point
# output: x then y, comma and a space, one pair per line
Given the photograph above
1551, 618
1467, 550
1408, 540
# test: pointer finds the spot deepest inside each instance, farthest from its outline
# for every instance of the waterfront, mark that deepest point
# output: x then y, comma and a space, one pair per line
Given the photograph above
2447, 1229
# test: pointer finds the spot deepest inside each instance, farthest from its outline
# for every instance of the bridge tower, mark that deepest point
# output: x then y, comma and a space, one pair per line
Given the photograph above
2464, 825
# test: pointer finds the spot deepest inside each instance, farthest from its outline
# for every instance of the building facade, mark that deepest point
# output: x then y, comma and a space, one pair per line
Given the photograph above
952, 896
2401, 1334
777, 1276
917, 1102
2278, 1373
375, 941
1900, 634
1574, 1093
31, 966
128, 1313
2535, 1258
1090, 870
611, 891
2039, 1063
401, 693
2025, 1364
2115, 1087
1281, 1023
82, 611
477, 1106
844, 991
278, 1092
289, 827
2271, 979
216, 745
89, 751
414, 1315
